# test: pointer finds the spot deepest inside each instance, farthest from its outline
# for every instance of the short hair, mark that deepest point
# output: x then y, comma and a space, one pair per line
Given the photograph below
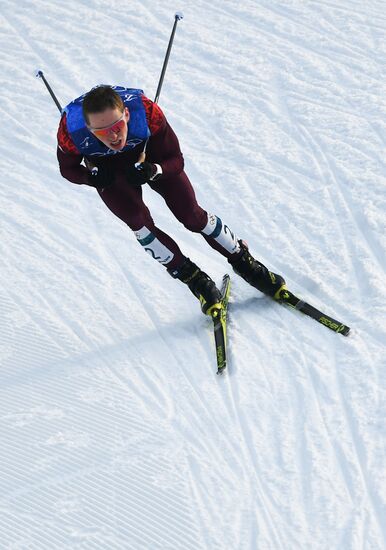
99, 99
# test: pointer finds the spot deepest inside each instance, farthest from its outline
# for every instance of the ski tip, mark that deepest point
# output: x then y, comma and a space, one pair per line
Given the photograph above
221, 371
226, 280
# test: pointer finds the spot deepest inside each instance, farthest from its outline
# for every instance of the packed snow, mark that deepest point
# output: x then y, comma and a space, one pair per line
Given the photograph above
115, 431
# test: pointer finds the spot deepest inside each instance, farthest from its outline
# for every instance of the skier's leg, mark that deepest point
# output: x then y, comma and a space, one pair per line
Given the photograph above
255, 273
242, 261
199, 283
180, 198
127, 204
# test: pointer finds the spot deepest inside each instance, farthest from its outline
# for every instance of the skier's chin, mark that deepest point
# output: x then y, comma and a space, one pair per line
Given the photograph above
117, 146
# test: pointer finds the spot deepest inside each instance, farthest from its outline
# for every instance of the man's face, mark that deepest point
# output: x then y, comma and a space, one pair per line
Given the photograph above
110, 127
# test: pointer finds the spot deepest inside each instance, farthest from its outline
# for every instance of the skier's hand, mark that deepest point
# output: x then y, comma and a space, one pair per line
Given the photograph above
141, 173
101, 176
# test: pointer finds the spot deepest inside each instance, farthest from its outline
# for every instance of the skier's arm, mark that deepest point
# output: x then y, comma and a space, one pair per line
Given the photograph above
164, 149
69, 157
71, 168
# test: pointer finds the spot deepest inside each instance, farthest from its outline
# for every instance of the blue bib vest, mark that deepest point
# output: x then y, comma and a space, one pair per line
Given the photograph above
87, 144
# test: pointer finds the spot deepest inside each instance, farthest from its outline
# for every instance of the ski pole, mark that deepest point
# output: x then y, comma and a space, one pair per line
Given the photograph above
177, 17
39, 74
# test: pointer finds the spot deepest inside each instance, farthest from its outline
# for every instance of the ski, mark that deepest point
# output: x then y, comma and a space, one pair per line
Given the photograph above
286, 297
219, 318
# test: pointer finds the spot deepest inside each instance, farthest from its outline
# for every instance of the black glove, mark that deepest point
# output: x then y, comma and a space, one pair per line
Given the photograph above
141, 174
101, 176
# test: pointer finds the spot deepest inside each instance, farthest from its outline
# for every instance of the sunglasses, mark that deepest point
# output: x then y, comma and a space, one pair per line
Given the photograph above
114, 128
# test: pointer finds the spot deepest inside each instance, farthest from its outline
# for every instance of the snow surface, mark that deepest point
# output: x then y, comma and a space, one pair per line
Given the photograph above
115, 431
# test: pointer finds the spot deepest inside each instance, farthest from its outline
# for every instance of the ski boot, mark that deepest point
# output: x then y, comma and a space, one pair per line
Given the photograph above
200, 284
256, 274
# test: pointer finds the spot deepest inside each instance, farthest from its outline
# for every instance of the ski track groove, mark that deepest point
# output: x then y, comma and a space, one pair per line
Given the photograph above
288, 40
25, 520
209, 352
53, 532
94, 515
180, 529
343, 64
339, 456
251, 457
118, 514
347, 205
377, 14
359, 452
260, 491
22, 38
323, 164
338, 452
213, 450
142, 428
355, 53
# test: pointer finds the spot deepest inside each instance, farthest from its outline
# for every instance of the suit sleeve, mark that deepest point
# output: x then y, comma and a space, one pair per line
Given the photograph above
163, 147
71, 168
69, 157
165, 150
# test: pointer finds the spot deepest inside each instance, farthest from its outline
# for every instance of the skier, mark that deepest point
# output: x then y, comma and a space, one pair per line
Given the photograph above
109, 128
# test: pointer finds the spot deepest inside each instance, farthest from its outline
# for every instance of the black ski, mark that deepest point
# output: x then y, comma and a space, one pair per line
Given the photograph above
219, 317
286, 297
